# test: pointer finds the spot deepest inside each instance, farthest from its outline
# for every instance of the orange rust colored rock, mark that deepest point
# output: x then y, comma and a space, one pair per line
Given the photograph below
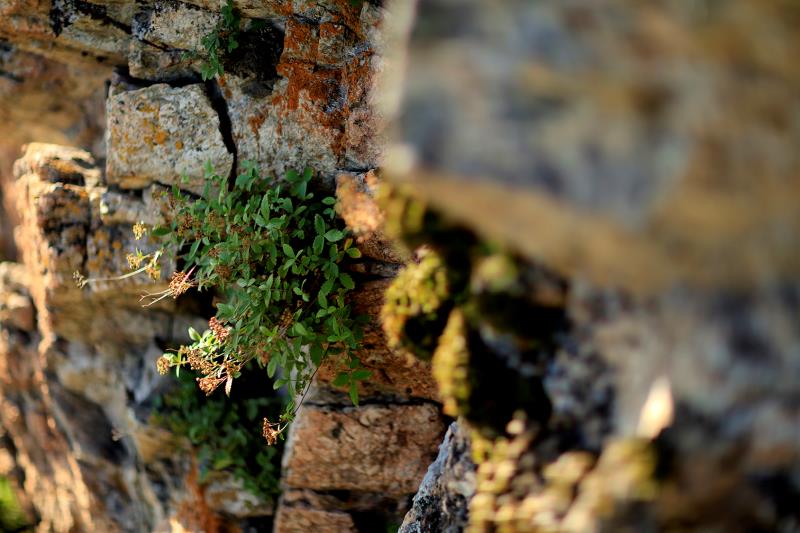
376, 448
302, 519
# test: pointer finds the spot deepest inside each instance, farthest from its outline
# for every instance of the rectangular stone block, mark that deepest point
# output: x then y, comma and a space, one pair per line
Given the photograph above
378, 448
161, 134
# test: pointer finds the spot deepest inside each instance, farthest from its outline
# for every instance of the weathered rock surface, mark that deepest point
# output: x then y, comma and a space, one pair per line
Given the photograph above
297, 92
320, 111
373, 448
165, 135
88, 391
298, 519
611, 135
616, 144
441, 501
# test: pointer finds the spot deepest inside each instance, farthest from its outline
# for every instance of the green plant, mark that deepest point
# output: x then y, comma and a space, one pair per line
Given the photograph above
12, 517
273, 251
222, 39
217, 428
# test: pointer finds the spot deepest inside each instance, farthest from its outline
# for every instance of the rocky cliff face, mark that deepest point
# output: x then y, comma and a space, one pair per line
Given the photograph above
596, 272
120, 82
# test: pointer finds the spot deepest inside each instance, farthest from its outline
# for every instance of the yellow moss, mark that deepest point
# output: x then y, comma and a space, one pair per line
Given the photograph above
404, 213
417, 294
451, 366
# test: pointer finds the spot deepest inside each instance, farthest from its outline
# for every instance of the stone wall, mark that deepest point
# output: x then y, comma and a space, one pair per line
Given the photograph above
603, 197
117, 87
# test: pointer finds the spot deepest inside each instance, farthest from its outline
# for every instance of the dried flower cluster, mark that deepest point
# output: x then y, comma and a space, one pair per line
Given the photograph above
271, 431
220, 331
162, 364
139, 230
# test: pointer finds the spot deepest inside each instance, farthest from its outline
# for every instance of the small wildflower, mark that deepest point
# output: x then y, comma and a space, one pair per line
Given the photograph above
186, 225
208, 384
196, 361
162, 364
270, 432
153, 270
139, 230
134, 260
223, 271
220, 331
180, 283
80, 279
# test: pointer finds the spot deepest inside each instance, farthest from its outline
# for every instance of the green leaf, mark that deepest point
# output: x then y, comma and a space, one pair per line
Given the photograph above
355, 253
329, 200
287, 250
160, 231
272, 366
316, 353
193, 251
243, 180
334, 235
341, 380
319, 225
361, 375
194, 335
354, 392
319, 243
300, 189
347, 281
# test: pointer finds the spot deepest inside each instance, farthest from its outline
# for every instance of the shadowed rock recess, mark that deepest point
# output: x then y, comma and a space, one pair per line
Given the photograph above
579, 272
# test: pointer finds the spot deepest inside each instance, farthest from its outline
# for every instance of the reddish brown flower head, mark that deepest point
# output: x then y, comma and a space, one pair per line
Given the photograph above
220, 331
271, 432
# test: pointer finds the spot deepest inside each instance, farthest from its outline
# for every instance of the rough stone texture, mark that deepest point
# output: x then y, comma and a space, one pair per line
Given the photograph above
161, 134
69, 30
299, 91
167, 40
302, 519
320, 111
53, 476
174, 24
616, 143
395, 373
441, 502
612, 135
60, 234
88, 391
374, 448
28, 112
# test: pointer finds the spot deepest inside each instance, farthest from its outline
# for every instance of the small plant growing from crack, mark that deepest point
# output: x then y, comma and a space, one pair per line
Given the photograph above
273, 251
223, 39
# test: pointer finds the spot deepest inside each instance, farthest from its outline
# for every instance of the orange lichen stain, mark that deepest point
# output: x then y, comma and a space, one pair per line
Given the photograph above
160, 136
284, 8
256, 122
179, 145
348, 14
145, 107
300, 41
194, 513
319, 85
